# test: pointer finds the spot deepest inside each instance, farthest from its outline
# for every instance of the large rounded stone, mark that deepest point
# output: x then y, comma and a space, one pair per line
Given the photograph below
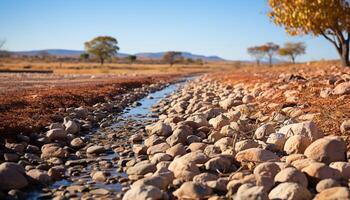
141, 168
334, 193
56, 134
319, 171
39, 176
291, 174
193, 190
53, 150
296, 144
264, 131
290, 191
144, 192
343, 167
256, 155
12, 176
328, 149
308, 129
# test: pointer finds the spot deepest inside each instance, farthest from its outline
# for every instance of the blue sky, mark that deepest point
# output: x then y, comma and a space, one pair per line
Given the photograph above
210, 27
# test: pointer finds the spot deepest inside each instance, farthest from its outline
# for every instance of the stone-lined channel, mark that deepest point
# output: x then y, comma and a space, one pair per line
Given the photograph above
79, 181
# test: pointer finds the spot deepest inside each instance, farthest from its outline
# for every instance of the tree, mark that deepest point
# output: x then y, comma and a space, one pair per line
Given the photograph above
171, 57
327, 18
257, 53
270, 49
103, 47
292, 50
84, 56
132, 58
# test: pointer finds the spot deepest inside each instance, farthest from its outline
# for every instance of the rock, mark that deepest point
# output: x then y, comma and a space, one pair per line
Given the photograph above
318, 171
269, 169
308, 129
224, 143
179, 135
176, 150
139, 149
290, 191
296, 144
251, 193
136, 138
342, 88
232, 187
263, 132
141, 168
248, 99
99, 191
81, 112
12, 176
159, 128
153, 140
72, 127
328, 149
56, 125
144, 192
195, 157
96, 149
77, 143
227, 103
223, 164
255, 155
293, 157
302, 163
334, 193
183, 170
56, 134
192, 190
56, 172
158, 148
293, 175
39, 176
245, 144
325, 92
99, 176
53, 150
277, 139
205, 177
156, 181
219, 121
343, 168
197, 146
11, 157
158, 157
326, 184
345, 127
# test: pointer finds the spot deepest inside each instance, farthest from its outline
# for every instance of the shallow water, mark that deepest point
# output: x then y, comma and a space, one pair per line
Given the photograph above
140, 113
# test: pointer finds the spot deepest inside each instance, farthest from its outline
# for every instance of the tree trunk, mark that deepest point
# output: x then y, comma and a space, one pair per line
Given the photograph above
257, 62
345, 54
293, 59
270, 61
102, 60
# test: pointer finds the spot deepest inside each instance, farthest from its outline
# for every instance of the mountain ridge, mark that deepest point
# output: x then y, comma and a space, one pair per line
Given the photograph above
148, 55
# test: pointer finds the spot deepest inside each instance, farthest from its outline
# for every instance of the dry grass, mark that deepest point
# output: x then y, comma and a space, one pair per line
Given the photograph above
115, 68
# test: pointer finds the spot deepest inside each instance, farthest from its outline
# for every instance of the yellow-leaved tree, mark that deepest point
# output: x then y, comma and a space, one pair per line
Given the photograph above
328, 18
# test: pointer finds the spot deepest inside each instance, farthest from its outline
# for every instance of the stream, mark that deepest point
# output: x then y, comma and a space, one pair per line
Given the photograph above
132, 119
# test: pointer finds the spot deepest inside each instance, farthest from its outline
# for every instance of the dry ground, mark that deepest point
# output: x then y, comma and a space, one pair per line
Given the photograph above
29, 102
331, 111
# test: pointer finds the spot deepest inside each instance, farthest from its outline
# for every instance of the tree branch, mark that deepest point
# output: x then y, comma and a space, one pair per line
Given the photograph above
329, 39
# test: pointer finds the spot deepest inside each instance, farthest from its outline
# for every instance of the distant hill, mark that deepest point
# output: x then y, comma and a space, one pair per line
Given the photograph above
74, 53
159, 55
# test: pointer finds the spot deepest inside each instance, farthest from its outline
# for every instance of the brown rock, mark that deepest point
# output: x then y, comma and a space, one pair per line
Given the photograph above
328, 149
334, 193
